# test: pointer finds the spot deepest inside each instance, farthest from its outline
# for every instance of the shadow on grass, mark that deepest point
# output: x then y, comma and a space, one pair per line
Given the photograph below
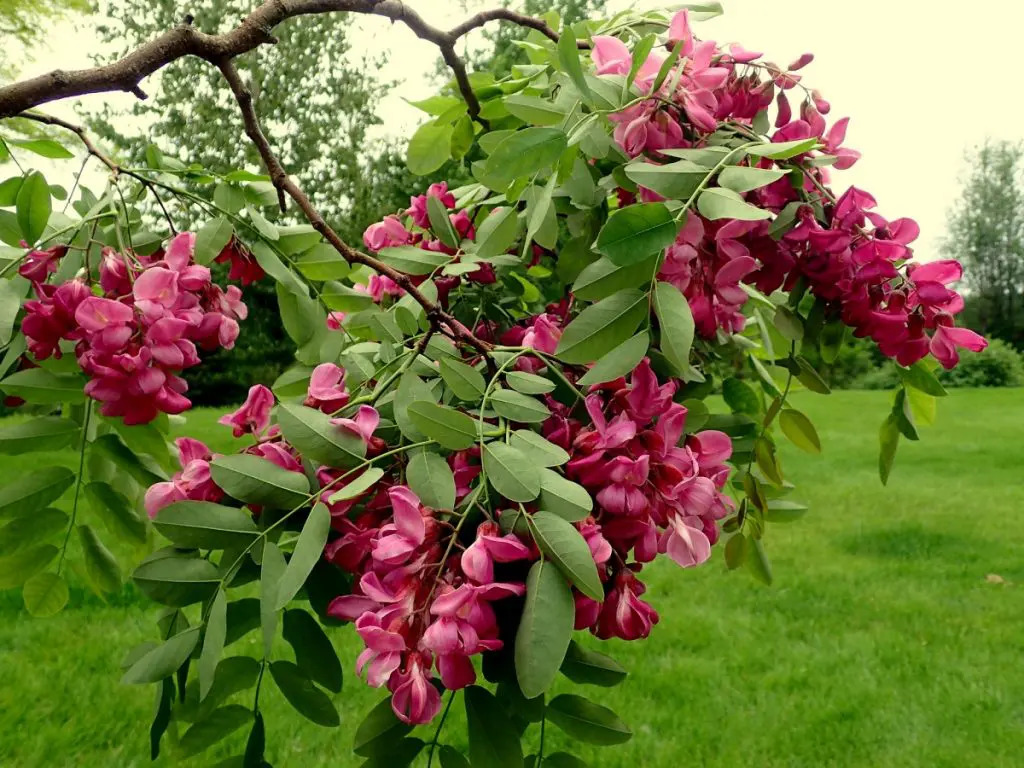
912, 541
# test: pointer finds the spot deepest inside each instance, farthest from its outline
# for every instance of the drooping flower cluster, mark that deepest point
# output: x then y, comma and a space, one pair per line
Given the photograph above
654, 492
147, 325
851, 257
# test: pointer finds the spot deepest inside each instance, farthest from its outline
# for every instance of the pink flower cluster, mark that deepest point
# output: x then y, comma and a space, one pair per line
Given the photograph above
416, 231
145, 328
415, 608
853, 260
654, 492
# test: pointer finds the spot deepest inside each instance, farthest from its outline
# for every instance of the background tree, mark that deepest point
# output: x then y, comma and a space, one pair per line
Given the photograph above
986, 233
23, 24
325, 140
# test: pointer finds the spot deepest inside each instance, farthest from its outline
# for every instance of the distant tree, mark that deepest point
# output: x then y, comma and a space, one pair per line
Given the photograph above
24, 23
986, 233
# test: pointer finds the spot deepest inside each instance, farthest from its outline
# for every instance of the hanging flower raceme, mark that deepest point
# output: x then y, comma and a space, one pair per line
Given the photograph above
136, 337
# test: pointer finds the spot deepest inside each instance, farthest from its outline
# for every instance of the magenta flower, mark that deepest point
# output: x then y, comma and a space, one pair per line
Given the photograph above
491, 547
414, 700
948, 339
253, 417
327, 388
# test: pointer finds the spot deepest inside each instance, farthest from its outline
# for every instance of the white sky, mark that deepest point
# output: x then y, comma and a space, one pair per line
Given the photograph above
922, 80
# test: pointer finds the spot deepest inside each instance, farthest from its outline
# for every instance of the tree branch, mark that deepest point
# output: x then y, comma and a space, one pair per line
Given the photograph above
439, 319
127, 73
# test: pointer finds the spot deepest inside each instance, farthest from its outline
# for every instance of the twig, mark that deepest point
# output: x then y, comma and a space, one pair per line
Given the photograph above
254, 30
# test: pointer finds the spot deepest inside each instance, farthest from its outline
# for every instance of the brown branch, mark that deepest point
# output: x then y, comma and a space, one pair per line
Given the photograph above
93, 150
255, 29
439, 319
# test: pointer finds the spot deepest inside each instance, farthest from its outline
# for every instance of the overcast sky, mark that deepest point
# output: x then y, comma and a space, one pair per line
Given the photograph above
921, 81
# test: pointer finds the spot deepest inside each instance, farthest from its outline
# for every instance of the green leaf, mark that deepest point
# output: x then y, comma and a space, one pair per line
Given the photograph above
714, 204
783, 150
34, 490
568, 550
569, 59
205, 525
43, 148
888, 440
919, 377
569, 500
534, 109
493, 742
271, 263
465, 381
537, 449
48, 433
440, 224
322, 262
162, 716
736, 550
308, 700
545, 629
342, 298
216, 726
411, 388
45, 595
452, 758
143, 470
314, 653
636, 232
784, 511
11, 293
541, 223
213, 642
163, 660
176, 580
429, 148
315, 437
497, 233
30, 530
413, 260
118, 514
430, 478
620, 361
587, 667
450, 428
515, 406
271, 570
16, 569
809, 377
676, 181
563, 760
529, 383
676, 323
100, 564
33, 209
510, 472
603, 277
740, 397
757, 563
212, 238
40, 386
379, 726
255, 480
524, 153
741, 179
264, 227
800, 431
362, 483
602, 326
789, 323
586, 721
308, 549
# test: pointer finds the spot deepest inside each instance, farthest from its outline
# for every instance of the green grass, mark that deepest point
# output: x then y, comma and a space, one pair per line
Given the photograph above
882, 643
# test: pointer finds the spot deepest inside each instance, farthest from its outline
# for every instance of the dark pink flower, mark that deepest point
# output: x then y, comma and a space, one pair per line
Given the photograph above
253, 417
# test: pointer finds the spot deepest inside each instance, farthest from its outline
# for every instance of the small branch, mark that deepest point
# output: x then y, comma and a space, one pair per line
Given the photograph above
439, 319
127, 73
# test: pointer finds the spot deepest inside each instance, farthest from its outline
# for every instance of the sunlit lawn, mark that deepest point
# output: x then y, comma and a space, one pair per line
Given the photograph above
892, 636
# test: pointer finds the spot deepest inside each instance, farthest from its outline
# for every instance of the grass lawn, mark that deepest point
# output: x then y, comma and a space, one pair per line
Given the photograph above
893, 635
